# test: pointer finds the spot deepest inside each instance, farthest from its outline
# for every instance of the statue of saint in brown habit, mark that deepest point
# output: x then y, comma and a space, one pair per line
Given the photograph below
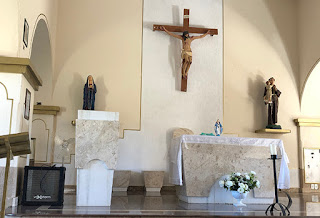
271, 98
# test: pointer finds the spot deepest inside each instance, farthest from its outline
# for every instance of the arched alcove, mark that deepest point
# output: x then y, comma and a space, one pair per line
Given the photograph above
41, 58
41, 133
310, 99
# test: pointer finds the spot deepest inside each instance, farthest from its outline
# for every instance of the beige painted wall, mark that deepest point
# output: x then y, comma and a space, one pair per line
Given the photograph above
308, 34
310, 102
261, 41
8, 21
102, 38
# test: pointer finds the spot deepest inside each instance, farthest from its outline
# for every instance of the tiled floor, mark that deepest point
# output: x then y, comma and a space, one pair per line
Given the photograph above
137, 205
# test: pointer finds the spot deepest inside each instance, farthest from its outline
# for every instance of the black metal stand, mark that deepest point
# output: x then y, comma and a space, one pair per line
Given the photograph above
284, 209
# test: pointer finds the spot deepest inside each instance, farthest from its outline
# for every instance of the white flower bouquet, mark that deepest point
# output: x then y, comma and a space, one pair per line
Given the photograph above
242, 183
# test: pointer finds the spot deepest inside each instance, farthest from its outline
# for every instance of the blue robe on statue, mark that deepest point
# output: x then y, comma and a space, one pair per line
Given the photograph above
218, 128
89, 96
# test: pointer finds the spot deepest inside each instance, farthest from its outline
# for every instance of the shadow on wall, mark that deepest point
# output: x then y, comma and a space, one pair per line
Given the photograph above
280, 28
288, 40
174, 48
255, 92
42, 61
174, 54
76, 91
102, 92
169, 137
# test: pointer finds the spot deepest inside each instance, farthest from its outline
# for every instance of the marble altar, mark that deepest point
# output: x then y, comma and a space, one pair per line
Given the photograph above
197, 163
96, 154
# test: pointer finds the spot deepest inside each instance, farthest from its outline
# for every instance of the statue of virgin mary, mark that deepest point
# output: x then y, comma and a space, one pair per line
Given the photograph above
89, 92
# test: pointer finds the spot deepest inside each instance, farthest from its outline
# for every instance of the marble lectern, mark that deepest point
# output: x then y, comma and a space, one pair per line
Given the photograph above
96, 154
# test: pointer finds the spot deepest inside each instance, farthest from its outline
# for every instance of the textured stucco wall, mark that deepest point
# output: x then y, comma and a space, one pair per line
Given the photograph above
164, 106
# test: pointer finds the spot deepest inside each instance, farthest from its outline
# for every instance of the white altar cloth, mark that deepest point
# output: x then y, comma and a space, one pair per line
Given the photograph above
175, 174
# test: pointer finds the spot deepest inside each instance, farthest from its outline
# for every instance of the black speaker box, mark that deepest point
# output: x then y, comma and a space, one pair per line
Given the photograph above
43, 186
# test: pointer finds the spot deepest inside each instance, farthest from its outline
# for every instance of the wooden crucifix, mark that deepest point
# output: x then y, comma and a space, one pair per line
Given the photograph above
186, 53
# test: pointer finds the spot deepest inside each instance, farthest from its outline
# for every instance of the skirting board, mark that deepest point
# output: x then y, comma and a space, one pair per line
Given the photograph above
153, 189
116, 189
72, 189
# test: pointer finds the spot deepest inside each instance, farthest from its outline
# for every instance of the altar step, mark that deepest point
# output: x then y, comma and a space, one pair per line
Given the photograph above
166, 205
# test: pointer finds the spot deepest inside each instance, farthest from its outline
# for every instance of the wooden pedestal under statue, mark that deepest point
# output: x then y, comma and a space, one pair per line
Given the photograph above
96, 154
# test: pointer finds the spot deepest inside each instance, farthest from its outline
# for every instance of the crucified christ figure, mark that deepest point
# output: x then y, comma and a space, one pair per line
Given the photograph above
186, 53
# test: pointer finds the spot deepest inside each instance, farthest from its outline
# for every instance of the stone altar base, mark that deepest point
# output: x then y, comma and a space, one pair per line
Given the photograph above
94, 185
219, 195
205, 164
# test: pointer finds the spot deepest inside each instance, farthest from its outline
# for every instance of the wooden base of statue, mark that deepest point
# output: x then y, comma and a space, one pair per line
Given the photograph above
273, 131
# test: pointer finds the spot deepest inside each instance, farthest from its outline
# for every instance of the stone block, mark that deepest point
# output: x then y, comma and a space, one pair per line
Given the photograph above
153, 180
121, 180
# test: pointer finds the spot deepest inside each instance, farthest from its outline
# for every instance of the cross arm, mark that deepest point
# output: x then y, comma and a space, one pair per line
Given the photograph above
169, 28
203, 30
198, 30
